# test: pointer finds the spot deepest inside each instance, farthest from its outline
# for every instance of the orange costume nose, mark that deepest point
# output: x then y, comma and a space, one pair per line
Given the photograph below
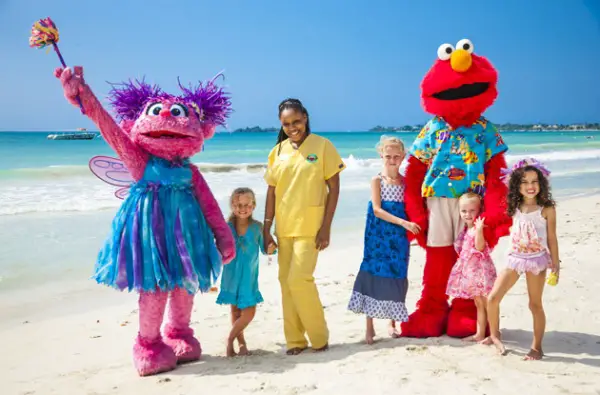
165, 113
461, 60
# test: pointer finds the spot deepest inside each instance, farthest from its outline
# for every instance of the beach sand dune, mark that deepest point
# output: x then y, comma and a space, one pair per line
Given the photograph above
78, 340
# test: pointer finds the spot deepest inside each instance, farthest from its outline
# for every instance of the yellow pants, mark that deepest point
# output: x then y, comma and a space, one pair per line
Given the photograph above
302, 308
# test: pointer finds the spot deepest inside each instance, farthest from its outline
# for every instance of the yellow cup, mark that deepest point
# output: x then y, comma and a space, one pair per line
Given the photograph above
552, 279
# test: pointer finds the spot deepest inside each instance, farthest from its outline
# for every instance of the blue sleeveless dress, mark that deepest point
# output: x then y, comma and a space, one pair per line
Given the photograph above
239, 281
159, 237
381, 284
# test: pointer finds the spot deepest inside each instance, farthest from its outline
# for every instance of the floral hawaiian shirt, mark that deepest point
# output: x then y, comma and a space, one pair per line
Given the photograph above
456, 157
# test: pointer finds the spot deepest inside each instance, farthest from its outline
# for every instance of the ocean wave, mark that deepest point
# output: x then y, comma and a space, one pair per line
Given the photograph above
352, 163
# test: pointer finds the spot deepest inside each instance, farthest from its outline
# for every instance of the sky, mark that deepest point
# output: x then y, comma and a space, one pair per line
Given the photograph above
354, 64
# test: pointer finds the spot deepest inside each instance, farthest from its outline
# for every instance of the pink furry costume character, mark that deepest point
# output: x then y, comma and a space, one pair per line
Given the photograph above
457, 151
162, 242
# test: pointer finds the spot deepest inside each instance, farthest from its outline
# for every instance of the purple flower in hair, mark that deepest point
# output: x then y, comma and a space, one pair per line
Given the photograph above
506, 173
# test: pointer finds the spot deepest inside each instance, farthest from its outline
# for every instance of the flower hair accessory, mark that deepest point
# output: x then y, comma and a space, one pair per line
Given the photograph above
506, 173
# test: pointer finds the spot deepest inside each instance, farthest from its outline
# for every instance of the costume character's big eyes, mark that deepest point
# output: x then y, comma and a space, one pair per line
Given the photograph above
179, 110
154, 109
465, 44
444, 51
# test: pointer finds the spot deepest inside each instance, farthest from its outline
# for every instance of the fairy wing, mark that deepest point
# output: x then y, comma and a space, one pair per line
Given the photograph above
112, 171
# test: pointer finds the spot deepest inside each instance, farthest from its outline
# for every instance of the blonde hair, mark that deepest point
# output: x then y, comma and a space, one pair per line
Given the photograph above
384, 141
237, 192
470, 196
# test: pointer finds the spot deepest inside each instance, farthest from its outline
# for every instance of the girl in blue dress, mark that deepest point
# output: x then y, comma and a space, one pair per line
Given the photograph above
381, 284
239, 280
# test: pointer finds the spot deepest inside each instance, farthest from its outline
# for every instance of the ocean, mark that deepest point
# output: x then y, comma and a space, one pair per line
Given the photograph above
55, 214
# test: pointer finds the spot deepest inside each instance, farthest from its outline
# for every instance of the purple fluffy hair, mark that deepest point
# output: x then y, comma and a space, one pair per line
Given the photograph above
129, 99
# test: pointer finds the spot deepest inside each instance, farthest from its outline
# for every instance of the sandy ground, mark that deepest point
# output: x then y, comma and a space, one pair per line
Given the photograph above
78, 339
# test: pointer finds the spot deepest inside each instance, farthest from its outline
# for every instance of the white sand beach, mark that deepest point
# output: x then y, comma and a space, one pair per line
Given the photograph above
77, 339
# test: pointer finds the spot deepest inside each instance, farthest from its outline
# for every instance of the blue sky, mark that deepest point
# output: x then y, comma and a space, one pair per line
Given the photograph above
354, 64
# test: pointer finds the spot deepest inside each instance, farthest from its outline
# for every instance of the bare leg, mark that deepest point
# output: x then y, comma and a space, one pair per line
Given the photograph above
392, 331
505, 281
235, 314
246, 316
535, 288
370, 332
480, 303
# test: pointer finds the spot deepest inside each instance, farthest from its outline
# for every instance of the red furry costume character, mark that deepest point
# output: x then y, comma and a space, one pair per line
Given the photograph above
457, 151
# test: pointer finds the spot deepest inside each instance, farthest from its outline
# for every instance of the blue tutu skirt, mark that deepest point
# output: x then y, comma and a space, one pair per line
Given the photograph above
159, 240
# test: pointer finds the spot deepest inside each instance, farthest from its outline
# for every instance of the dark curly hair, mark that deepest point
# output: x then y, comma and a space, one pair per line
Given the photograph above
515, 199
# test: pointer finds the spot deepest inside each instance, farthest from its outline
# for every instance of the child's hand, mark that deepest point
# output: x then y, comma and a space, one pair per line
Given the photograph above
479, 223
412, 227
271, 248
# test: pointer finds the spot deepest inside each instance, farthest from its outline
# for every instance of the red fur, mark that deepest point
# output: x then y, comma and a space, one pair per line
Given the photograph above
416, 208
463, 112
433, 317
429, 320
497, 221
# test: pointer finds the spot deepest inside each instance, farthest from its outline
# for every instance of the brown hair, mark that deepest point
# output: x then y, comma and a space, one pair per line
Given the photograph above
544, 198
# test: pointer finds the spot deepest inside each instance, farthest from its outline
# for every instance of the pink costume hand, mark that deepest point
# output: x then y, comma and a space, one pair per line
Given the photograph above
72, 82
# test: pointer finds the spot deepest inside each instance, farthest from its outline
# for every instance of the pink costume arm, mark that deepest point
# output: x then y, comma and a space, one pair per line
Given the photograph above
214, 216
73, 84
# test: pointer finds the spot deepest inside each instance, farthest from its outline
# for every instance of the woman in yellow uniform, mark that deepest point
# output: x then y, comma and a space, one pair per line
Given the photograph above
304, 184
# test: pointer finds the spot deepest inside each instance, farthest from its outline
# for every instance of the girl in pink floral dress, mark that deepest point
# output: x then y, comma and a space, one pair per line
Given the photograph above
474, 273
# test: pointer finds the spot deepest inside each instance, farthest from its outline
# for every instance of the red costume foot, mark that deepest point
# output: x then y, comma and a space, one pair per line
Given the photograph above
430, 318
462, 320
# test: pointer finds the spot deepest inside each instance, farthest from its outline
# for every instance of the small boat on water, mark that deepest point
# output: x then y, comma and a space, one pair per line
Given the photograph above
81, 134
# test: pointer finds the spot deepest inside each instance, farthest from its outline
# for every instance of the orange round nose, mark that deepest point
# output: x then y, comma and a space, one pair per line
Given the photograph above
461, 60
165, 113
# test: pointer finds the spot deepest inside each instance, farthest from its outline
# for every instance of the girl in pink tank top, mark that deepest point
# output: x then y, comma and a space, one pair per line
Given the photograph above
533, 248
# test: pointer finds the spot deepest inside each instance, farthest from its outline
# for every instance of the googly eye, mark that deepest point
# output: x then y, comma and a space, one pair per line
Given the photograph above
179, 110
465, 44
444, 51
154, 109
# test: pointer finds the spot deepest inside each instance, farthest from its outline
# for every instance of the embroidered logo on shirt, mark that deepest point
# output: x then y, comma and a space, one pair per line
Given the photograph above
341, 166
312, 158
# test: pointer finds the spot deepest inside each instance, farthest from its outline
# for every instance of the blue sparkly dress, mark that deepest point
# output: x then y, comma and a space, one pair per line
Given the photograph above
159, 237
239, 281
381, 284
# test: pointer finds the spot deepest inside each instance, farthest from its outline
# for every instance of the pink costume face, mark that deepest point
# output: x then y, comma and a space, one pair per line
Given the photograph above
169, 128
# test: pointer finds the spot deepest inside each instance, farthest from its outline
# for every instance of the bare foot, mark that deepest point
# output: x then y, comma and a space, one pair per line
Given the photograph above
487, 341
295, 350
393, 332
244, 350
369, 335
499, 346
534, 355
230, 349
475, 338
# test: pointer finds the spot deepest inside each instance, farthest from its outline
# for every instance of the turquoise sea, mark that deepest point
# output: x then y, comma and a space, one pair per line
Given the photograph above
55, 214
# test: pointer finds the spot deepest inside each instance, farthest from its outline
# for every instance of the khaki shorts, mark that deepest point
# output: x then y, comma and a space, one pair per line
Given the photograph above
444, 221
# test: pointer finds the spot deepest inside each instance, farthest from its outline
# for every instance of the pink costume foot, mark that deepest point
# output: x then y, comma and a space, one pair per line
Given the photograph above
177, 334
150, 354
153, 357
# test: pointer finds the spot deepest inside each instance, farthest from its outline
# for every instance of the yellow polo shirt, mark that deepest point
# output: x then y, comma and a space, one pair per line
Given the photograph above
300, 189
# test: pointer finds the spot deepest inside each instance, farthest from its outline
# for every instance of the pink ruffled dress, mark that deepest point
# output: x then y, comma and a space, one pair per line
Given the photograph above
474, 272
529, 252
